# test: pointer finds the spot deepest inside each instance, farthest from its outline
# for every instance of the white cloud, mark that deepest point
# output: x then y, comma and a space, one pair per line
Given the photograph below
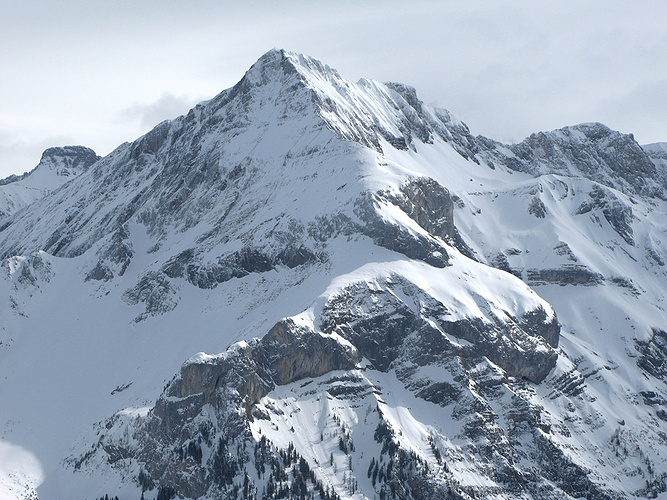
642, 111
166, 107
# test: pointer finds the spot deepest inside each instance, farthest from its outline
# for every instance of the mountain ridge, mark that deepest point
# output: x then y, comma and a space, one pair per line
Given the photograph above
56, 167
411, 313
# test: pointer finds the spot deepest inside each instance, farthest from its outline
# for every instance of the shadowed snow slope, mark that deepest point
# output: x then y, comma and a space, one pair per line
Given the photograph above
403, 310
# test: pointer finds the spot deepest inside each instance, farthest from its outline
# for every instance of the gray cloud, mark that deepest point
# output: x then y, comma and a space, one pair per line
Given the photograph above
642, 111
166, 107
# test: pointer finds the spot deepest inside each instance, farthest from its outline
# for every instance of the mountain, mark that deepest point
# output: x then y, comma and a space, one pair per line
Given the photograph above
57, 166
657, 153
313, 288
589, 150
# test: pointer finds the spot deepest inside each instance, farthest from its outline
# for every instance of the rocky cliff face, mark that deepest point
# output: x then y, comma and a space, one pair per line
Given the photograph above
591, 150
66, 161
370, 272
195, 440
380, 325
209, 405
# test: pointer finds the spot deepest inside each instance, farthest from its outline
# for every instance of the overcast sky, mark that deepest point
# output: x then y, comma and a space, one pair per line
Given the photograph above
101, 72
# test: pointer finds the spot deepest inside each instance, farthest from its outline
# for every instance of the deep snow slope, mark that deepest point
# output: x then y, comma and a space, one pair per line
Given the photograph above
403, 310
57, 166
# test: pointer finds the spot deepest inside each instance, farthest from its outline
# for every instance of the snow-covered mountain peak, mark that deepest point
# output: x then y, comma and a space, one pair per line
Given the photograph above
403, 310
591, 150
367, 112
66, 161
57, 166
291, 126
277, 61
372, 113
583, 132
277, 64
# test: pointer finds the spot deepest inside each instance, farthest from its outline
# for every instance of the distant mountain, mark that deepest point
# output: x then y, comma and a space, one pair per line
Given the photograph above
57, 166
589, 150
400, 309
657, 152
